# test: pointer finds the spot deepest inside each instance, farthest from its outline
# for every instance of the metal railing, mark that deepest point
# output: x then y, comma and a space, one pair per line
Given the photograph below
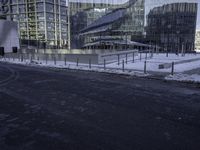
50, 59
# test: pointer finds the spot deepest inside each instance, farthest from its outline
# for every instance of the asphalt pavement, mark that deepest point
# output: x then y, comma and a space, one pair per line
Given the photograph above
55, 109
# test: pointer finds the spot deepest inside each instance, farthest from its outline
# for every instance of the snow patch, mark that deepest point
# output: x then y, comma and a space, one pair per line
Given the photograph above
184, 77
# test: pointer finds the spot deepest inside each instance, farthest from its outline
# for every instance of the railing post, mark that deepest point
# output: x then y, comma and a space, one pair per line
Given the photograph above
18, 57
46, 59
104, 62
118, 59
77, 62
182, 50
54, 60
145, 67
22, 58
31, 58
90, 66
140, 56
13, 57
123, 65
133, 57
126, 58
65, 59
172, 71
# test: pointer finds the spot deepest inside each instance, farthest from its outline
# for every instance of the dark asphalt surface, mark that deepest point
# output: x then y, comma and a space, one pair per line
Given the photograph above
51, 109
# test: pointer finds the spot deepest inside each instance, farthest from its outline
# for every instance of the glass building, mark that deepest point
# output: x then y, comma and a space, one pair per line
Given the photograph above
106, 22
173, 26
41, 22
126, 24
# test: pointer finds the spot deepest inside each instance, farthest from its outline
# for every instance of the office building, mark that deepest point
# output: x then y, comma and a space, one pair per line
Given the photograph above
42, 23
127, 24
105, 24
173, 26
107, 21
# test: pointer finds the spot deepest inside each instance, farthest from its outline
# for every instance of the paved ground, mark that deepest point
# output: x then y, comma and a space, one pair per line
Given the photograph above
48, 109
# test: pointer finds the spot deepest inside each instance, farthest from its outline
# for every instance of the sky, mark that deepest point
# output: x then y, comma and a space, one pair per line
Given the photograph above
154, 1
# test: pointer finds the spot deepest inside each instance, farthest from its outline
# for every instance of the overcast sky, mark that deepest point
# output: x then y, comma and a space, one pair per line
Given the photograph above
152, 2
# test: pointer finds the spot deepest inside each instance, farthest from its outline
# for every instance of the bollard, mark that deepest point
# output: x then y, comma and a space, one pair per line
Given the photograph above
65, 60
77, 62
118, 59
54, 60
140, 56
133, 57
123, 65
167, 54
172, 71
31, 58
46, 59
22, 58
145, 67
104, 66
13, 57
90, 66
126, 58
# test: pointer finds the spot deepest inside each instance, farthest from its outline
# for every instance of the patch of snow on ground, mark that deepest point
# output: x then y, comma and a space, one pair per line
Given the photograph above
184, 77
153, 63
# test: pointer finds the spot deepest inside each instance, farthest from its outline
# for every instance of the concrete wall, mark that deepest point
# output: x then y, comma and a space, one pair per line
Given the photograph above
8, 35
82, 58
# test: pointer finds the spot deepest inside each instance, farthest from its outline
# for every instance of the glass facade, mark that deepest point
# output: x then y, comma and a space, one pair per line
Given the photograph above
41, 22
96, 21
106, 24
172, 26
103, 24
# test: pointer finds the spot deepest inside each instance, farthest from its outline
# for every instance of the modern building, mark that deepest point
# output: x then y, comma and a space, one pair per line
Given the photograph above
42, 23
106, 20
197, 40
173, 26
106, 24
